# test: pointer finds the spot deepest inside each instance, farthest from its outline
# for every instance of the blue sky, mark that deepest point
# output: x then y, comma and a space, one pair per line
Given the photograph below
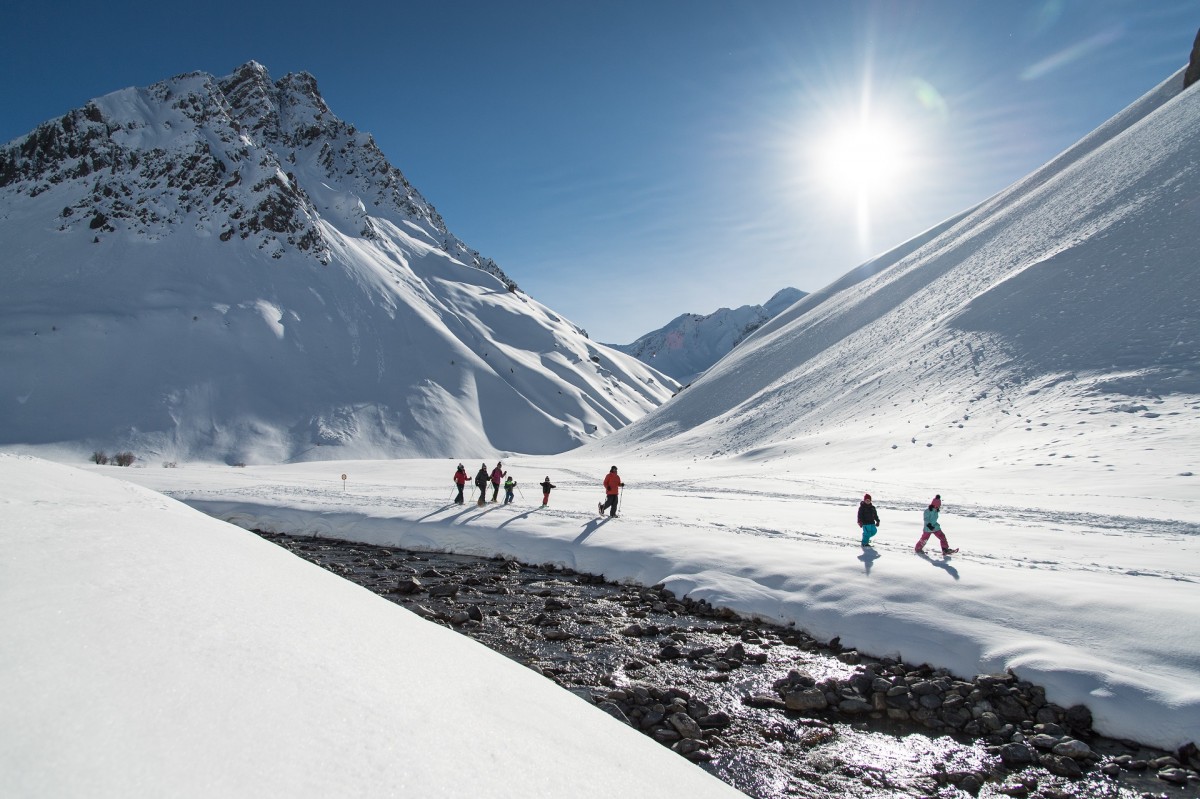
626, 162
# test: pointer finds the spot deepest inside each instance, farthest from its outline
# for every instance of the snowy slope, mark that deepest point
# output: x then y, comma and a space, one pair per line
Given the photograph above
223, 269
691, 343
1059, 319
152, 651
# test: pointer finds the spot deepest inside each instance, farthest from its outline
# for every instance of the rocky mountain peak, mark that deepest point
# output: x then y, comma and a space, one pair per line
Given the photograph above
239, 156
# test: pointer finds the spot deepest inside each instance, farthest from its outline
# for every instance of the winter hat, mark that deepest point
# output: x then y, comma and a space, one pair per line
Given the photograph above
613, 469
866, 497
937, 501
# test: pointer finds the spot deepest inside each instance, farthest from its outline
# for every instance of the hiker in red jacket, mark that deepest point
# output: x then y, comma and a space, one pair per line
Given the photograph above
460, 479
612, 492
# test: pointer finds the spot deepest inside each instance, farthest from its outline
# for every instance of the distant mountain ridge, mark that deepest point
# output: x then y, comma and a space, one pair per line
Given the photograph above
221, 268
691, 343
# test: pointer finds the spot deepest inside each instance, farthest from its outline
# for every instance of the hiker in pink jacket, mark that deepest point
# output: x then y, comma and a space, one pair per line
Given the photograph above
497, 475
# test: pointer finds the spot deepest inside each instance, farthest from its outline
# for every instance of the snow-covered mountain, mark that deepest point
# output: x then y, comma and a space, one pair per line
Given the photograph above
221, 268
1056, 320
690, 343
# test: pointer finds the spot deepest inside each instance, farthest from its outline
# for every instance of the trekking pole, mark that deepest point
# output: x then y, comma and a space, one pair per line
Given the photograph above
620, 498
519, 491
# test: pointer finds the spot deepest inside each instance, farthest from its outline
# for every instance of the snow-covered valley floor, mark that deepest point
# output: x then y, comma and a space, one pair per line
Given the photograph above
1087, 591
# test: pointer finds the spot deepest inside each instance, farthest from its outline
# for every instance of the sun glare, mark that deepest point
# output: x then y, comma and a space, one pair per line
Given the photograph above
867, 158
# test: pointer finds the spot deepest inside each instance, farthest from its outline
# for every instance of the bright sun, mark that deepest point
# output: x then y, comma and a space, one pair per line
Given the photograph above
867, 158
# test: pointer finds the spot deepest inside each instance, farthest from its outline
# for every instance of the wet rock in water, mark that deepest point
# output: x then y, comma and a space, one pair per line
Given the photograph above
1076, 750
1176, 776
716, 720
408, 585
1062, 766
685, 725
1016, 755
854, 706
443, 590
1043, 741
805, 699
766, 702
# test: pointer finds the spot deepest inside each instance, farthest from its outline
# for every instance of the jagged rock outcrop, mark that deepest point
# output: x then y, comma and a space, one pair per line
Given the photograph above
1192, 74
222, 156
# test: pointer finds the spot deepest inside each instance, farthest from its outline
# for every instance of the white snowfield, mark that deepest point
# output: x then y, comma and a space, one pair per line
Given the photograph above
1086, 588
151, 651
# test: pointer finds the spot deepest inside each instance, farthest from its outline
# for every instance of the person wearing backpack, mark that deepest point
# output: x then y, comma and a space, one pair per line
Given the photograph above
460, 480
612, 492
481, 481
868, 520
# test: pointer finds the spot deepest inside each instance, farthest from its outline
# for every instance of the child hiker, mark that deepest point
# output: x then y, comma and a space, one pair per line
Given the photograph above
509, 485
546, 486
868, 520
933, 527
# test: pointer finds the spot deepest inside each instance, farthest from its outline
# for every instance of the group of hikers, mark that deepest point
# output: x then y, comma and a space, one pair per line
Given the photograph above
868, 515
497, 477
868, 520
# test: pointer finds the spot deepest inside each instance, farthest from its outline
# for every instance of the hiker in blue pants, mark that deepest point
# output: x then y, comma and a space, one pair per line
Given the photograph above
868, 519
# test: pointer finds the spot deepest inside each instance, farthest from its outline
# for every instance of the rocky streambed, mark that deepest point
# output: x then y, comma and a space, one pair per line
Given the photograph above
767, 709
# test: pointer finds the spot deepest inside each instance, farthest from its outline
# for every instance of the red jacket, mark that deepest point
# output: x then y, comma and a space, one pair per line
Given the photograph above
612, 482
460, 477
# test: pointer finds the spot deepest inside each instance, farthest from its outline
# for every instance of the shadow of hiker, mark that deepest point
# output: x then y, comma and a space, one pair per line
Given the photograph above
590, 528
868, 557
944, 565
442, 509
512, 519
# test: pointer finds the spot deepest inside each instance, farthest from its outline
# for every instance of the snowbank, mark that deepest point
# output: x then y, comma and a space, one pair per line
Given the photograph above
152, 651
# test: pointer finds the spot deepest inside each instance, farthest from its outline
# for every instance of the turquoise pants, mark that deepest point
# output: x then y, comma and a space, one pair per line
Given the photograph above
869, 530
